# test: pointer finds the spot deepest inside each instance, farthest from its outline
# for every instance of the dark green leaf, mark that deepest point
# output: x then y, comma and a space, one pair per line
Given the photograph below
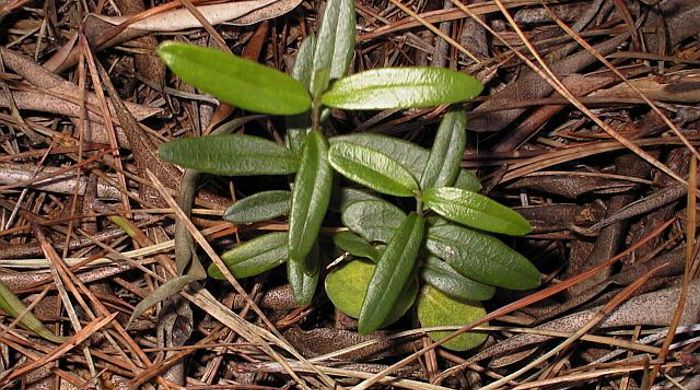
391, 88
475, 210
346, 287
254, 257
234, 80
482, 257
373, 220
312, 191
446, 154
373, 169
440, 275
299, 125
393, 273
163, 292
410, 155
437, 309
233, 154
355, 245
345, 196
262, 206
303, 276
13, 306
335, 45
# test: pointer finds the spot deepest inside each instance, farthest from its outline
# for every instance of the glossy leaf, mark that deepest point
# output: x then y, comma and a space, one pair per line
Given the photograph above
397, 88
254, 257
413, 157
13, 306
438, 309
312, 191
475, 210
482, 257
346, 287
355, 245
443, 164
303, 276
236, 81
373, 169
393, 273
335, 45
373, 220
440, 275
232, 154
262, 206
300, 124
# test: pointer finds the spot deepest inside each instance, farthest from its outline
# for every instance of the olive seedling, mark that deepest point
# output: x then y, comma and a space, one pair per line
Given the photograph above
439, 254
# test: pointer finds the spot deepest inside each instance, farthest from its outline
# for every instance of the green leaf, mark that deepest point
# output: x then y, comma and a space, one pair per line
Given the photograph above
440, 275
13, 306
467, 181
300, 124
373, 220
372, 169
355, 245
346, 196
254, 256
392, 274
163, 292
335, 44
397, 88
262, 206
234, 80
482, 257
475, 210
346, 287
446, 154
411, 156
303, 276
232, 154
312, 191
437, 309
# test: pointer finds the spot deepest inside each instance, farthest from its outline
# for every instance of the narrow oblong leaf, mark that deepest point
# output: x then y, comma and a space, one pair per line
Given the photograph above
254, 256
440, 275
373, 169
442, 167
482, 257
392, 274
346, 287
335, 45
398, 88
437, 309
13, 306
467, 181
343, 197
413, 157
231, 154
163, 292
373, 220
303, 276
475, 210
311, 195
300, 124
234, 80
262, 206
355, 245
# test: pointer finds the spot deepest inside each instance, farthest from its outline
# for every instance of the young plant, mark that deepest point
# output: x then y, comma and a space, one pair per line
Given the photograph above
441, 242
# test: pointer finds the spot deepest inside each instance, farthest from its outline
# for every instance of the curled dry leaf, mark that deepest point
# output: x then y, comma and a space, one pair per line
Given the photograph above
239, 13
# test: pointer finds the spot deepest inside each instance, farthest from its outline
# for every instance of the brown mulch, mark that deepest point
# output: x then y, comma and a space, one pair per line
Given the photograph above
588, 126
